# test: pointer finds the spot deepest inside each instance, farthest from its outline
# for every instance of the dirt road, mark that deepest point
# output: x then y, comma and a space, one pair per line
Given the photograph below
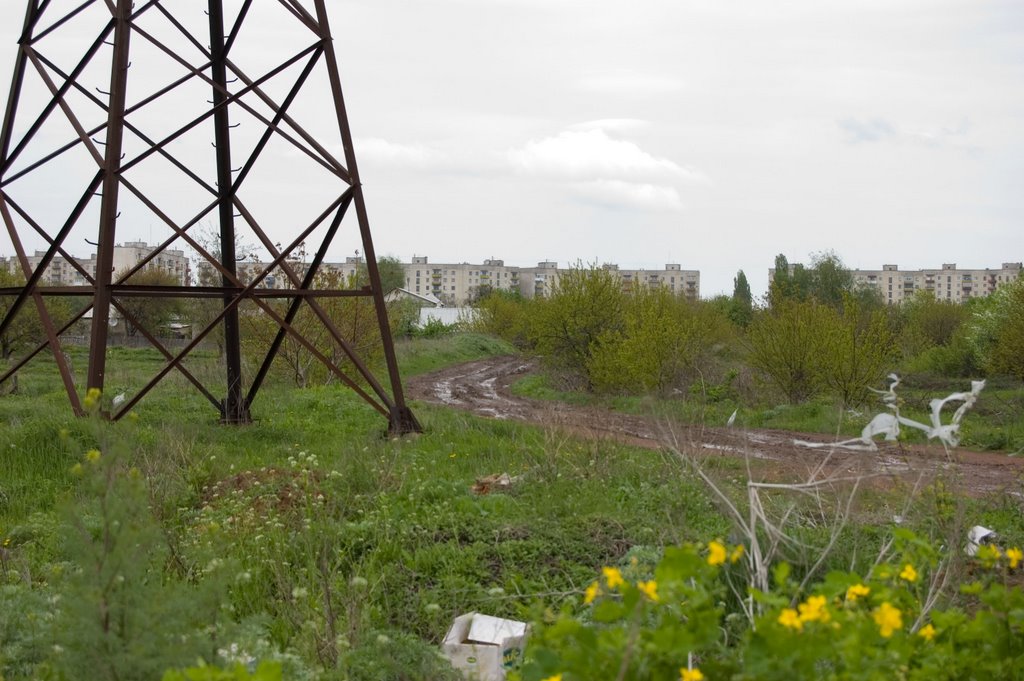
483, 388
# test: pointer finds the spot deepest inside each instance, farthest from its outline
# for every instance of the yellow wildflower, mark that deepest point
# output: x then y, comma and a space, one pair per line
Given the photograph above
989, 555
1015, 556
76, 469
736, 554
613, 576
716, 553
888, 619
927, 632
690, 674
857, 591
92, 456
908, 573
92, 398
790, 619
554, 677
592, 592
650, 589
814, 610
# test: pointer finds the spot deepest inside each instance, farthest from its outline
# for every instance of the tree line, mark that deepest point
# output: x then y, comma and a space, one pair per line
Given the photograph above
815, 334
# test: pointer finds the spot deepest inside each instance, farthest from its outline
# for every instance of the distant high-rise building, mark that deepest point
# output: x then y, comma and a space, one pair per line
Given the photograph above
61, 272
949, 282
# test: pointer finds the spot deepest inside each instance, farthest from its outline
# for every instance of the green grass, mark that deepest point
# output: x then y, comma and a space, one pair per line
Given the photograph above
995, 423
398, 513
257, 528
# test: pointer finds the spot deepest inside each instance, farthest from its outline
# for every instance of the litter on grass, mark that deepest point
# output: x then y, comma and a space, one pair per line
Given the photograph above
888, 424
483, 647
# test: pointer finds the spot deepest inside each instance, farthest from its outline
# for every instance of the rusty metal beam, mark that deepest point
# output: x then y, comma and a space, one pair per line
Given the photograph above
108, 206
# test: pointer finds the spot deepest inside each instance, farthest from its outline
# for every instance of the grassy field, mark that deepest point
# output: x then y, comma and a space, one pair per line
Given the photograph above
311, 539
995, 423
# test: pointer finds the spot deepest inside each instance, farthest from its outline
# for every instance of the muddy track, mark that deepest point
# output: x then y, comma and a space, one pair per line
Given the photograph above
484, 388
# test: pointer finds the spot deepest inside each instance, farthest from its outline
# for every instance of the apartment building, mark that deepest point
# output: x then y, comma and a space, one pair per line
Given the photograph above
61, 272
949, 282
673, 277
459, 283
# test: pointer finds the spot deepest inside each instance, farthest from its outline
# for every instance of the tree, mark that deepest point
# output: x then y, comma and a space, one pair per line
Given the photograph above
859, 350
998, 331
507, 314
391, 271
742, 309
26, 327
658, 346
151, 313
788, 345
830, 280
928, 322
788, 283
586, 304
355, 318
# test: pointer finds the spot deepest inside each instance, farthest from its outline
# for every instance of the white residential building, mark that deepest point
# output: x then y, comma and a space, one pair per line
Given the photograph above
61, 272
948, 282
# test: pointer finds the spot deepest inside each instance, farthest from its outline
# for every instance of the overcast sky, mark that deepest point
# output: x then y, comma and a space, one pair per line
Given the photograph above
712, 134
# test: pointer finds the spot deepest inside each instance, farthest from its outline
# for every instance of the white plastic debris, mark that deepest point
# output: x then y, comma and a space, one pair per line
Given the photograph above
483, 647
889, 424
978, 536
732, 419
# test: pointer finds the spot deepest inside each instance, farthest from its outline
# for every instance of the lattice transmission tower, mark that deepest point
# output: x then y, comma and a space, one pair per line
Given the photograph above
221, 115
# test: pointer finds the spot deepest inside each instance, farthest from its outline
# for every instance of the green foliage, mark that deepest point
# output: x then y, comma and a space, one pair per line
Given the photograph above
1005, 353
808, 348
150, 313
118, 606
26, 328
882, 624
392, 655
586, 306
787, 343
354, 318
266, 671
506, 315
742, 309
658, 346
928, 322
435, 328
392, 273
827, 280
860, 350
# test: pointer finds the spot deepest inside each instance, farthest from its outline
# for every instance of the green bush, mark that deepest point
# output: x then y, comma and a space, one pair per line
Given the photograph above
506, 315
679, 623
659, 346
586, 306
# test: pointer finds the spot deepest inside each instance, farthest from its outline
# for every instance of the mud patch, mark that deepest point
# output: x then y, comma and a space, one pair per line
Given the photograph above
484, 388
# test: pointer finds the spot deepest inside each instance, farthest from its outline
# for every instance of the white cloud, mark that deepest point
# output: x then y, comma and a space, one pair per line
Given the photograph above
593, 154
612, 124
377, 150
625, 82
617, 193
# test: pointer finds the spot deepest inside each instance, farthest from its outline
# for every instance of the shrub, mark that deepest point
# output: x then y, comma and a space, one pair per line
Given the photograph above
658, 347
675, 624
859, 349
506, 315
788, 344
586, 305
